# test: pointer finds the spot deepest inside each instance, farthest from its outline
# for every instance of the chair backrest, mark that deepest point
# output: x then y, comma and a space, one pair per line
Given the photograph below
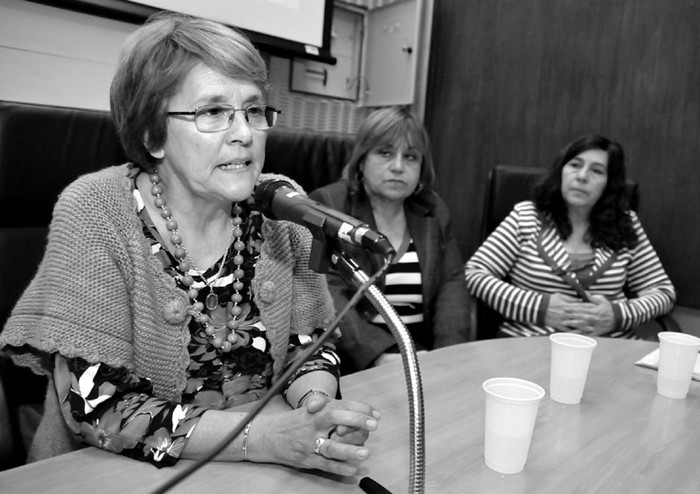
42, 149
508, 185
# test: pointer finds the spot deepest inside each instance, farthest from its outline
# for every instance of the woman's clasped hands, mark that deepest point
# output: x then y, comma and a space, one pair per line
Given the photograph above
593, 318
324, 434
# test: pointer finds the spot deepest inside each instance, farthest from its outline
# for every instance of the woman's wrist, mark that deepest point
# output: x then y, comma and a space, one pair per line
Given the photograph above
302, 388
253, 441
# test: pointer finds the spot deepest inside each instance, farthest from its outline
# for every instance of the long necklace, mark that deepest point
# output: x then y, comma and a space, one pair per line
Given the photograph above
211, 301
222, 337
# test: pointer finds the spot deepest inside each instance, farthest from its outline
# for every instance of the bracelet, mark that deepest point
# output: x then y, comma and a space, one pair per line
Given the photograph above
244, 448
309, 393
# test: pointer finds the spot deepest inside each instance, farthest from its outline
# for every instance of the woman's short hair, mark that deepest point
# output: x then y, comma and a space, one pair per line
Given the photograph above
389, 126
610, 223
154, 61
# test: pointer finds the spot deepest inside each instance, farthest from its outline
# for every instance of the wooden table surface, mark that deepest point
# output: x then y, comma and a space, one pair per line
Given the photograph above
622, 438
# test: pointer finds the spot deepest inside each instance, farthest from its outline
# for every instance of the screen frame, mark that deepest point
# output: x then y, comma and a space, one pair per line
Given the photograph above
134, 13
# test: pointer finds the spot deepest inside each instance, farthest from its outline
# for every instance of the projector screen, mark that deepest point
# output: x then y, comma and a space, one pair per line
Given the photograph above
299, 28
294, 20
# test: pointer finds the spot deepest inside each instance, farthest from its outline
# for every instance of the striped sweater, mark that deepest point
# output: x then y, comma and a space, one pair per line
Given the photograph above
518, 267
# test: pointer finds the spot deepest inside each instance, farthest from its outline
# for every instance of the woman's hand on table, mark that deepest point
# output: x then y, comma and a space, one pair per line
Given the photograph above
345, 433
324, 433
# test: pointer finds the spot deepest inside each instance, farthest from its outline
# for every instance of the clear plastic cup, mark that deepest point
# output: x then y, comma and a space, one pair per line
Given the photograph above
570, 359
678, 353
511, 406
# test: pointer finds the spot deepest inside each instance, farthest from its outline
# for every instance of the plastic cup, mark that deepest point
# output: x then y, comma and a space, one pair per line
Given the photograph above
678, 353
570, 358
511, 410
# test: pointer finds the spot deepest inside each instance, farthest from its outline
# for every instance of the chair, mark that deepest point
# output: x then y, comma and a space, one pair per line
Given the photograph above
508, 185
21, 250
42, 149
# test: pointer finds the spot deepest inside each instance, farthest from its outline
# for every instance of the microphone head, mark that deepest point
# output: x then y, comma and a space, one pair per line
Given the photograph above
290, 205
265, 193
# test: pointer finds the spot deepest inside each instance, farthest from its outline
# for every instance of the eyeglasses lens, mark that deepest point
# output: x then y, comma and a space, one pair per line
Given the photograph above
216, 118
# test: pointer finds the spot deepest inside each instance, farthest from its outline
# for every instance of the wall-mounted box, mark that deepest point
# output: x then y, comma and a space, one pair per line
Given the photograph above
389, 59
378, 53
342, 79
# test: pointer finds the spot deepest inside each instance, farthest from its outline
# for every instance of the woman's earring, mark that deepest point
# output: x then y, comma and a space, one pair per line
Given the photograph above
359, 176
158, 154
419, 188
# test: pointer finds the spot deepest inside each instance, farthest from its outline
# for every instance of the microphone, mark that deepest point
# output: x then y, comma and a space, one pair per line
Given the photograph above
279, 200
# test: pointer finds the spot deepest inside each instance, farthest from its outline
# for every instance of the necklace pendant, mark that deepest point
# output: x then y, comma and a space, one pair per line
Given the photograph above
212, 301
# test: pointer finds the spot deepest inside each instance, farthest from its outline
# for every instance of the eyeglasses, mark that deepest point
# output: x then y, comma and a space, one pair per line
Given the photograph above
219, 117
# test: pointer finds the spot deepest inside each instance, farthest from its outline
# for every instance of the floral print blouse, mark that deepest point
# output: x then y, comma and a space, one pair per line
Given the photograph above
113, 409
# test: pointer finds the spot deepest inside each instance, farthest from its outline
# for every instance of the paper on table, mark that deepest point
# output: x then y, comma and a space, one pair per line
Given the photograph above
651, 360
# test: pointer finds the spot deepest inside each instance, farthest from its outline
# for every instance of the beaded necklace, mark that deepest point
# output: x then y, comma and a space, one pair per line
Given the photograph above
222, 337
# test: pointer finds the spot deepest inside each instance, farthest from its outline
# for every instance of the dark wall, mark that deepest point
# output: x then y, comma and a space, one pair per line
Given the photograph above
512, 81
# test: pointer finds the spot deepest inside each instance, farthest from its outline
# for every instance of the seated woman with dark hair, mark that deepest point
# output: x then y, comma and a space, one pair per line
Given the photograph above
576, 258
388, 184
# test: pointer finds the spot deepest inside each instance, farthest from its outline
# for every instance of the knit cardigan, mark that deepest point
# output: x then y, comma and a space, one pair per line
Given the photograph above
101, 295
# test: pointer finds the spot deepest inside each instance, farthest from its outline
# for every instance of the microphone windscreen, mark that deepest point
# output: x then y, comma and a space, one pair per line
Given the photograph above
265, 194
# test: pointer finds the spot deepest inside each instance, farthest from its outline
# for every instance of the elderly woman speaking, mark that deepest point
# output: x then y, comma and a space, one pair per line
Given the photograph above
165, 300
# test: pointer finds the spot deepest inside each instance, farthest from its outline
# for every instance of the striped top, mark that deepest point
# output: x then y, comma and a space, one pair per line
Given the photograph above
403, 291
518, 267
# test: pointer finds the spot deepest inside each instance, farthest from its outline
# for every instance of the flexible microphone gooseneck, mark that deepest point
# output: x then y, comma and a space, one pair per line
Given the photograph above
274, 389
354, 275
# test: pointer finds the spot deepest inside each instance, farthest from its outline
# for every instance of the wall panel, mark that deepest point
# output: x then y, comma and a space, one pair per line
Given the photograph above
512, 81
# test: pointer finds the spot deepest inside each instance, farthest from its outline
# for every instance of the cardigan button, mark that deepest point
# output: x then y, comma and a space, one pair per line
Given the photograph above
268, 292
175, 311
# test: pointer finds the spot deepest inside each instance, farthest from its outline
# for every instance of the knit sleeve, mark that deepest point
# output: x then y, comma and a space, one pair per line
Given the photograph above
313, 306
487, 269
77, 304
293, 299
